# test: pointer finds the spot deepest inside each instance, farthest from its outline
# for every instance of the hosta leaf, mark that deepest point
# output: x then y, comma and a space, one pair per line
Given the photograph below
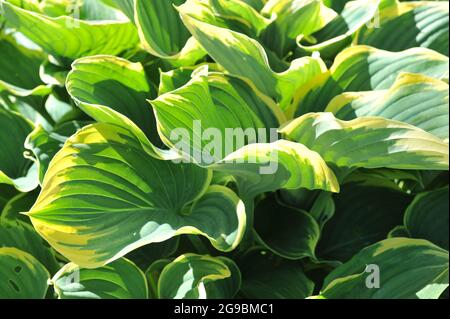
408, 268
61, 109
92, 103
362, 68
413, 98
163, 34
408, 25
368, 142
44, 145
19, 70
120, 279
15, 169
323, 208
241, 13
264, 276
337, 5
361, 219
174, 79
427, 217
126, 6
382, 177
18, 204
398, 231
89, 10
245, 57
260, 168
81, 38
17, 234
104, 196
52, 73
115, 83
23, 277
231, 14
256, 4
153, 273
287, 232
292, 19
217, 102
193, 276
337, 34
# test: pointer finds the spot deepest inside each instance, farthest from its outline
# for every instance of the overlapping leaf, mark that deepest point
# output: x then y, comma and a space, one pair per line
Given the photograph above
15, 169
120, 279
427, 217
368, 142
363, 68
300, 231
68, 37
294, 18
408, 25
267, 277
243, 56
17, 234
163, 34
23, 277
414, 99
408, 268
199, 277
361, 219
337, 34
104, 196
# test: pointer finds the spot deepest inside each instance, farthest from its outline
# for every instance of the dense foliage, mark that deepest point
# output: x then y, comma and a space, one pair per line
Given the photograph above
343, 193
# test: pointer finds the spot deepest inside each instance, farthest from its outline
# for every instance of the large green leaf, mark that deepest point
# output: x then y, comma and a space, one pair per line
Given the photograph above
115, 83
19, 70
245, 57
86, 10
363, 68
120, 279
368, 142
427, 217
265, 276
15, 169
23, 277
265, 167
338, 33
408, 25
81, 38
293, 18
361, 219
20, 235
104, 196
288, 232
210, 109
163, 34
413, 98
408, 268
193, 276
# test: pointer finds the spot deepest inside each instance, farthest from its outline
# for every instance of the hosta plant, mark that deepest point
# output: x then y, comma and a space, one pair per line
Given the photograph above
224, 149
